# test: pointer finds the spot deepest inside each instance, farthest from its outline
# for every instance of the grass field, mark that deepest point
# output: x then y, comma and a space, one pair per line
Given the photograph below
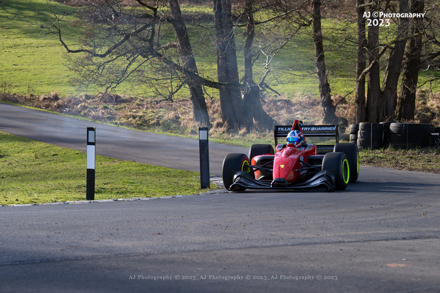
33, 61
32, 172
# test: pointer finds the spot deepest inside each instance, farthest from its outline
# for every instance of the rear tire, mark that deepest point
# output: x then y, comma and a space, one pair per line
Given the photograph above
260, 149
232, 164
337, 163
351, 151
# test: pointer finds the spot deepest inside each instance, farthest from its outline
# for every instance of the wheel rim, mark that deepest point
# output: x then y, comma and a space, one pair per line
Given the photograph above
345, 171
357, 162
245, 167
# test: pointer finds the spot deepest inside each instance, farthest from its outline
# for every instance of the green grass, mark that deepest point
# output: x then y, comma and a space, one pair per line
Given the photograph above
35, 62
418, 159
31, 61
32, 172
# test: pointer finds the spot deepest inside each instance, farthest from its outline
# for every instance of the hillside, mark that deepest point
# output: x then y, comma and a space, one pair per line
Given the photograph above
35, 64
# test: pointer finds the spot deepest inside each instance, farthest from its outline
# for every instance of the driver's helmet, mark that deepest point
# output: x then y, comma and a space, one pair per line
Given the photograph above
295, 137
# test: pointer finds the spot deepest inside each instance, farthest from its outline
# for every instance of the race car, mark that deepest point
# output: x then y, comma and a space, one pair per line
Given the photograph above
294, 164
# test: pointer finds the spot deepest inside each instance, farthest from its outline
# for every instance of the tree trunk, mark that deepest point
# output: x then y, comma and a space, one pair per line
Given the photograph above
227, 70
200, 111
360, 65
406, 103
328, 110
394, 67
374, 92
251, 96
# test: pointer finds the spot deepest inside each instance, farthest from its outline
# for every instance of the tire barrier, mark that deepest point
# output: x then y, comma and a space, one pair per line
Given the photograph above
386, 133
436, 138
405, 135
370, 136
354, 128
353, 138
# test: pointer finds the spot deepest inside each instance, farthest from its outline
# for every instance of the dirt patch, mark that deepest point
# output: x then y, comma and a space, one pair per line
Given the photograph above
169, 115
77, 3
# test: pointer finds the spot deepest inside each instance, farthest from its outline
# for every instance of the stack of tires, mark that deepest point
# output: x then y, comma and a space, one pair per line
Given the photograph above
370, 135
405, 135
386, 133
354, 128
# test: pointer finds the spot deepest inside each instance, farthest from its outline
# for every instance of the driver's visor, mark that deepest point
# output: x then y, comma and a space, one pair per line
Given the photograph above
293, 139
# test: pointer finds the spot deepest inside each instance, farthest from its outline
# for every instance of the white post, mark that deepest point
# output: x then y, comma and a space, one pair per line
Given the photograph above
91, 153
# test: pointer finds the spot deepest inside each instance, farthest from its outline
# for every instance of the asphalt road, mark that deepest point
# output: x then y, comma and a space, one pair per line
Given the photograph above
379, 235
116, 142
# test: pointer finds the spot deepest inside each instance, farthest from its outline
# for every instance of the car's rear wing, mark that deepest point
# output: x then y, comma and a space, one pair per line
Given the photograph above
311, 131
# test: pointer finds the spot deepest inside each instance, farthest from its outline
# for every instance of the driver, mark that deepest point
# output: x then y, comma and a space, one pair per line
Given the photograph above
295, 138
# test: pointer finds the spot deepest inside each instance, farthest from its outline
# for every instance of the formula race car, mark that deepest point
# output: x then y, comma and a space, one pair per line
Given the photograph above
294, 164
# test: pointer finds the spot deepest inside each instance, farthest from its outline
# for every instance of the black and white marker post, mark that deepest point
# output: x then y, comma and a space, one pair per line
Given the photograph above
204, 157
91, 152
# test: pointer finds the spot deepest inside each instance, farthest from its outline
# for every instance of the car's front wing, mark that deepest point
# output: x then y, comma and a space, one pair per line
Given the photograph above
243, 179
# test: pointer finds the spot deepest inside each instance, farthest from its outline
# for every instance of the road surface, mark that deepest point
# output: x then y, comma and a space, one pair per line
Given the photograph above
379, 235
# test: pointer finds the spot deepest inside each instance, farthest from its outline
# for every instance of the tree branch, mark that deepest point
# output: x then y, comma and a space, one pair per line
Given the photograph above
147, 6
109, 50
270, 19
344, 97
190, 74
171, 45
430, 80
376, 59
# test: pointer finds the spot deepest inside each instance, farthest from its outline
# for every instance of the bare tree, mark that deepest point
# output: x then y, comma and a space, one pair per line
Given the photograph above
394, 67
227, 68
252, 93
248, 110
119, 43
374, 93
406, 102
188, 63
381, 100
328, 110
360, 64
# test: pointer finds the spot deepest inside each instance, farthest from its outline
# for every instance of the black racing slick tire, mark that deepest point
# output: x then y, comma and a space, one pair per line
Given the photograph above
232, 164
351, 151
403, 128
375, 127
337, 163
386, 133
354, 128
408, 135
370, 135
260, 149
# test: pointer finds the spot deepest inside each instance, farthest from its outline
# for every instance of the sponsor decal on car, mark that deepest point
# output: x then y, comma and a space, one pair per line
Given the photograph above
322, 128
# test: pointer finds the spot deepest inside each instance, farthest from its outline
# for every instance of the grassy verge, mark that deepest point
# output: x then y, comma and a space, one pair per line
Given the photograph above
35, 172
422, 160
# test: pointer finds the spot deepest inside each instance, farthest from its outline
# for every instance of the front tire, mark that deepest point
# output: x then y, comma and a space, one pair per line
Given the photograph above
351, 151
232, 164
337, 163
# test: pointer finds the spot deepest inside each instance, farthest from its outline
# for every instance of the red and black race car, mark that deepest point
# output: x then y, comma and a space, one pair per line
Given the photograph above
294, 164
